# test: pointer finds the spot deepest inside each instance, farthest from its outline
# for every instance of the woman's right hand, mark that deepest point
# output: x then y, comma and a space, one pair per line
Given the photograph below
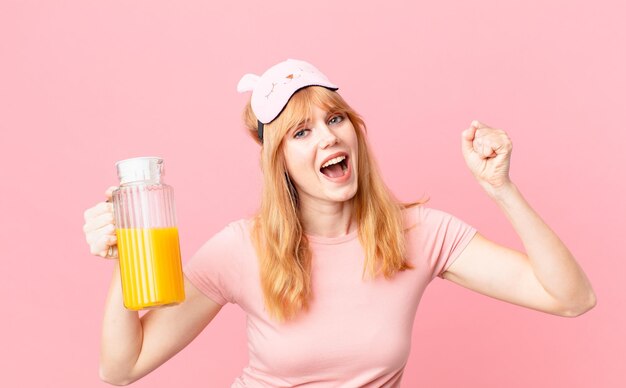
99, 227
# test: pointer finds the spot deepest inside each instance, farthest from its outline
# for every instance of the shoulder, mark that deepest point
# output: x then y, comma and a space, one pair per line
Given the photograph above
226, 244
240, 227
429, 218
234, 232
423, 214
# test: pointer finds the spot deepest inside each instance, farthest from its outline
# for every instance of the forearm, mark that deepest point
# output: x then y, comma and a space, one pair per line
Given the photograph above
122, 336
553, 264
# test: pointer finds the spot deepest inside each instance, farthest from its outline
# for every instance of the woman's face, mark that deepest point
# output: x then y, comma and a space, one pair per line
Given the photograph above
329, 139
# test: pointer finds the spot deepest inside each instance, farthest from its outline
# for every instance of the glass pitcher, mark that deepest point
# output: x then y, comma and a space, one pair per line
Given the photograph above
147, 236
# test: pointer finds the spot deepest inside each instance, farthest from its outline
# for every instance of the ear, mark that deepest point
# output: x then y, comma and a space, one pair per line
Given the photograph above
247, 83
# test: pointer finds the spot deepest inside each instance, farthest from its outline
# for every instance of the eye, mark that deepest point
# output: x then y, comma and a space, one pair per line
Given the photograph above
334, 119
299, 133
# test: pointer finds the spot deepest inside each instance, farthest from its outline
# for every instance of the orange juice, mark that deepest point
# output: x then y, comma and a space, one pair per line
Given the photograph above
150, 267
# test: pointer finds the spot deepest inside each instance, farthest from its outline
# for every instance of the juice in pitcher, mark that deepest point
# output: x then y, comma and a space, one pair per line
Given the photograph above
150, 267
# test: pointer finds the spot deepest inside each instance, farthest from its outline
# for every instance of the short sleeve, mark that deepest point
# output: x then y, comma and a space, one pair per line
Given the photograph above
215, 269
441, 238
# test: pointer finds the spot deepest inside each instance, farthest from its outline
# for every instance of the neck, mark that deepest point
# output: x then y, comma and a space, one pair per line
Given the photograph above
328, 219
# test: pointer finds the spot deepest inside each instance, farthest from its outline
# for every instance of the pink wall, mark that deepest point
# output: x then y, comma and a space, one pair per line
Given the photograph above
83, 84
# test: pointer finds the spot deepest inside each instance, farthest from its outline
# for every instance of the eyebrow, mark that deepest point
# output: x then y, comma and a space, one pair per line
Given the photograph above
330, 114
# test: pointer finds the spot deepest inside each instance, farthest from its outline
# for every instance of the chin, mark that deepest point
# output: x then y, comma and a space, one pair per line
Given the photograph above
344, 196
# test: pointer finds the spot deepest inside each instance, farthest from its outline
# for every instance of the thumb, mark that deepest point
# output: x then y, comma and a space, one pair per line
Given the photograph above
467, 139
109, 192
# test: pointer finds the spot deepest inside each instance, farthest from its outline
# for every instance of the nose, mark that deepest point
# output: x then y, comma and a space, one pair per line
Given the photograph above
327, 137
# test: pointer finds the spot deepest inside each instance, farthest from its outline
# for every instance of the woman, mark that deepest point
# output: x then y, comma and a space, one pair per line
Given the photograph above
331, 269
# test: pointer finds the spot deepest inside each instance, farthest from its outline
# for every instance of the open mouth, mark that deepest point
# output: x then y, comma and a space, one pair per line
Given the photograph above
336, 167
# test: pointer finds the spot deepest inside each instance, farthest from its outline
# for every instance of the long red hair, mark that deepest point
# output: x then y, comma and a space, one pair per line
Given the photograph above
281, 245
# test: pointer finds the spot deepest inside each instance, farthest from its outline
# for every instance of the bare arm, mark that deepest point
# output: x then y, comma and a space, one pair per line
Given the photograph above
132, 347
547, 278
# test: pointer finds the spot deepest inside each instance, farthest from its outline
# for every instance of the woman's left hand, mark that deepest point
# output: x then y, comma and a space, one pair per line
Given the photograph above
487, 152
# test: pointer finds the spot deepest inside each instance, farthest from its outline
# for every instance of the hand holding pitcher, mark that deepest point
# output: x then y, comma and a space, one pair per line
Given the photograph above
99, 228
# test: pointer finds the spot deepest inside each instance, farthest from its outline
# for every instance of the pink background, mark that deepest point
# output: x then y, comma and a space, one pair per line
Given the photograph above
83, 84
